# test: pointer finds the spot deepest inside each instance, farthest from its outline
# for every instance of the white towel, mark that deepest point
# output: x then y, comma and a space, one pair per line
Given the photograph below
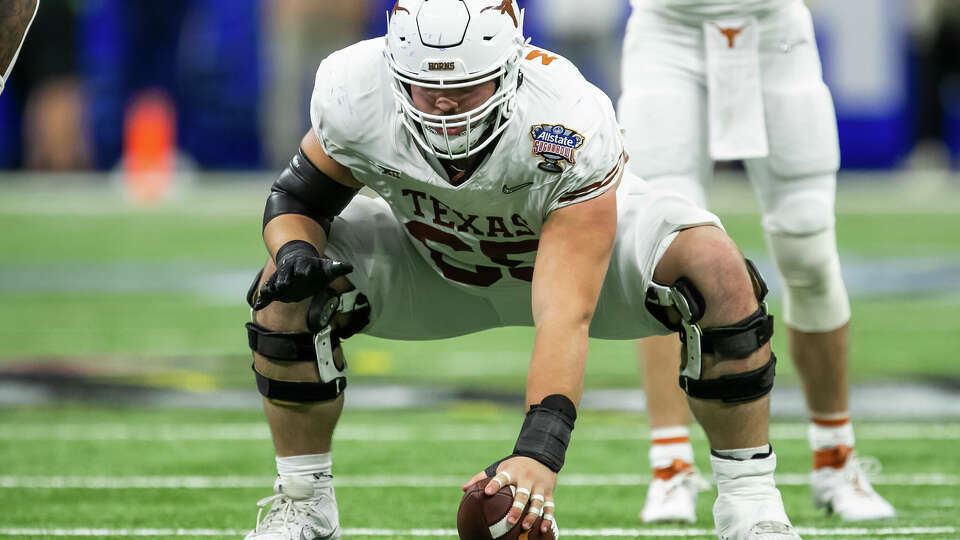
735, 100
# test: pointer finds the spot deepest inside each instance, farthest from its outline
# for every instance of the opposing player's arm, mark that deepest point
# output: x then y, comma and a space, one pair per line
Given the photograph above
309, 193
572, 258
15, 19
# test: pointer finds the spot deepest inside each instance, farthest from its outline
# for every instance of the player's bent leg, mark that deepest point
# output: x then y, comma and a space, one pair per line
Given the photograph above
299, 367
712, 301
301, 372
715, 299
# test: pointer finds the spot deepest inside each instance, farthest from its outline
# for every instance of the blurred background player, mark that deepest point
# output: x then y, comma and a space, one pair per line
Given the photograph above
716, 80
15, 19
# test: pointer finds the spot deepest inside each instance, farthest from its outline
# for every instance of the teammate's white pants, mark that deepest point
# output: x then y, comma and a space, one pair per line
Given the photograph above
664, 111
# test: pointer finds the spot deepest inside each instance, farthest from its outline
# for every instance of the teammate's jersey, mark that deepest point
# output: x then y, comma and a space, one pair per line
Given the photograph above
562, 147
711, 9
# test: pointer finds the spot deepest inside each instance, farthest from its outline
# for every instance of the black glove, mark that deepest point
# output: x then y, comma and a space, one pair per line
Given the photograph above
301, 273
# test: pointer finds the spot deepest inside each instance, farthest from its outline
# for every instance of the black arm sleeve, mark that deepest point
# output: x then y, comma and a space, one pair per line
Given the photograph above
304, 189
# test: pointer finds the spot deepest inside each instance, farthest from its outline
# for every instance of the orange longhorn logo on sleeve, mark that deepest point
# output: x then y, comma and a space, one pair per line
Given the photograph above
396, 8
505, 7
730, 33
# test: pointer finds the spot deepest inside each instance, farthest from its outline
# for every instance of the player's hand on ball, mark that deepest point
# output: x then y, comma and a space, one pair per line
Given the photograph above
535, 483
301, 273
532, 497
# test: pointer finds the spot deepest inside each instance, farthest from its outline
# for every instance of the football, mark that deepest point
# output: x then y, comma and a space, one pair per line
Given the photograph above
483, 517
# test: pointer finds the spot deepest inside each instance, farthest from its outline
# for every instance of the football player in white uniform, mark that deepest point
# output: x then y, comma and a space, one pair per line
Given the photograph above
16, 16
707, 80
501, 203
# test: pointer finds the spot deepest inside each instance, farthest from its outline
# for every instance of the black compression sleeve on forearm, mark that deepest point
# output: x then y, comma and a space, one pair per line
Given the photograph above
546, 431
304, 189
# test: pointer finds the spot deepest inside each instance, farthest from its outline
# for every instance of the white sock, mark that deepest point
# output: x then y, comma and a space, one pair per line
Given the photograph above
829, 431
668, 444
316, 466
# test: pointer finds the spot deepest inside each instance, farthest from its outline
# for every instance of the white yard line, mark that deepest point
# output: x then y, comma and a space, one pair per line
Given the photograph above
398, 481
448, 533
436, 433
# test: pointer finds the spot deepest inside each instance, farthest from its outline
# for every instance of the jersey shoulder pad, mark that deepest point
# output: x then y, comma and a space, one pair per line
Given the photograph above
572, 127
351, 97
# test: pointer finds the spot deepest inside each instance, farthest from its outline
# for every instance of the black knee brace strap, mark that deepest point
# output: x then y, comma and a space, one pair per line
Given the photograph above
733, 341
299, 392
737, 388
740, 339
291, 347
285, 346
307, 346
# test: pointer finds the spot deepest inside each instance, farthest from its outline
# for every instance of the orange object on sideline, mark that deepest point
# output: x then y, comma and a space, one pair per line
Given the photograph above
149, 147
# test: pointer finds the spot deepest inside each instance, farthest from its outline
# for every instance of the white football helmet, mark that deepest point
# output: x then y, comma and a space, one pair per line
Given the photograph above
455, 44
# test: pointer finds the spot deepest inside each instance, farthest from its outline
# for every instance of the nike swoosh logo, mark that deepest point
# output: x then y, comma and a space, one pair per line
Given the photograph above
514, 189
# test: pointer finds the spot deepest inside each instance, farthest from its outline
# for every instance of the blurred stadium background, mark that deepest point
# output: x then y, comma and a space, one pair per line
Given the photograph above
137, 143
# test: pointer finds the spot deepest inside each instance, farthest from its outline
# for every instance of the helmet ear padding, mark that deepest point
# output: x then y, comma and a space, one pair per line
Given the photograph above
448, 44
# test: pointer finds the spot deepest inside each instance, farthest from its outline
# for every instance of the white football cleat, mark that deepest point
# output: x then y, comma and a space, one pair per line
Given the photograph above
672, 495
846, 490
301, 510
748, 505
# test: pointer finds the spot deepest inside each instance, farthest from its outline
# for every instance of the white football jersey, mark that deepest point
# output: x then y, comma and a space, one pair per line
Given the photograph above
712, 9
563, 146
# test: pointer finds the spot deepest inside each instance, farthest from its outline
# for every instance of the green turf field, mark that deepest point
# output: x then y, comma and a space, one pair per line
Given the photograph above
95, 290
134, 473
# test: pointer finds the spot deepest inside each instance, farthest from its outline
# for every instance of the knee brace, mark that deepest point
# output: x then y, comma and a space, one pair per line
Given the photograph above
737, 340
316, 345
814, 297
